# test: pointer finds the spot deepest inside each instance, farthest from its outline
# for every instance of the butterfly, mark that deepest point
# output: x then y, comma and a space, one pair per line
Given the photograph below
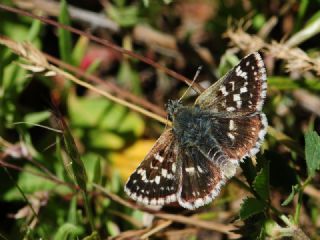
193, 159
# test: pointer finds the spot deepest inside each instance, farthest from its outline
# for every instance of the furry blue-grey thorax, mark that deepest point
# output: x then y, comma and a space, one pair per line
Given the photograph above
189, 123
175, 107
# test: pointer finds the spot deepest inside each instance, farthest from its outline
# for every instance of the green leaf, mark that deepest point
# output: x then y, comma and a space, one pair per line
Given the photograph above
261, 183
286, 83
312, 151
88, 112
79, 50
67, 231
295, 189
65, 41
250, 207
93, 236
314, 18
113, 228
259, 21
249, 171
72, 212
29, 183
103, 116
94, 66
105, 139
97, 172
125, 16
92, 163
77, 165
128, 77
146, 3
34, 31
132, 124
36, 117
226, 63
302, 9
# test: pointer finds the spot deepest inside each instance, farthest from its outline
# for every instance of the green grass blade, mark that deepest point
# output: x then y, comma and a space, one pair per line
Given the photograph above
65, 41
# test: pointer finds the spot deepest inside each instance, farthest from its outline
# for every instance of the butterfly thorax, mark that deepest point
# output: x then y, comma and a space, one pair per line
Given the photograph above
188, 123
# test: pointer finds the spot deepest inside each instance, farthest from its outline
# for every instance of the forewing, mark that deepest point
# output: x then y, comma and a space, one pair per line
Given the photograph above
239, 137
242, 90
201, 179
155, 180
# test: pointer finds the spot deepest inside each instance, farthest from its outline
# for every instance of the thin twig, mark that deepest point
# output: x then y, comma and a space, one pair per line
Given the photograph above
312, 192
156, 229
308, 101
223, 228
108, 95
53, 8
130, 234
109, 86
51, 178
37, 58
37, 125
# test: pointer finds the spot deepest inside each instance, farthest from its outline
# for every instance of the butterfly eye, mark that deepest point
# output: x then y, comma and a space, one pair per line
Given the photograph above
172, 107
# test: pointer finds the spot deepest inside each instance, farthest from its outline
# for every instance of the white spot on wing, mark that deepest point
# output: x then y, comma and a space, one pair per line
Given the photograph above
236, 97
173, 167
190, 170
230, 135
231, 125
230, 109
241, 73
157, 179
223, 90
243, 90
164, 172
232, 86
158, 157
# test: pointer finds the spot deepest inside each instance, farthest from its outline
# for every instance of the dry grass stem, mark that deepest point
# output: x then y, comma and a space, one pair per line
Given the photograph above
37, 61
308, 101
296, 59
312, 192
52, 8
162, 225
131, 234
223, 228
110, 87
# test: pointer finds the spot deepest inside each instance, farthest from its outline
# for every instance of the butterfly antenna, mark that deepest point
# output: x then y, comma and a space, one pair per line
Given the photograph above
194, 79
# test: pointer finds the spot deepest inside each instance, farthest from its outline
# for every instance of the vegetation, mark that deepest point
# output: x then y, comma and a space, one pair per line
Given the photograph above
82, 100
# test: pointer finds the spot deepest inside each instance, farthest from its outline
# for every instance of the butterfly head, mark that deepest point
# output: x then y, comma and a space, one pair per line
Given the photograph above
172, 108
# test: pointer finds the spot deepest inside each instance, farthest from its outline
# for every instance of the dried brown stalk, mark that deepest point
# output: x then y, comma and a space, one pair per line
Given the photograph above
213, 226
52, 8
38, 63
296, 59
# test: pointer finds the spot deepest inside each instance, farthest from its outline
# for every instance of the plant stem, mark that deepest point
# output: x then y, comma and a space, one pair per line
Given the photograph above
88, 209
298, 208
